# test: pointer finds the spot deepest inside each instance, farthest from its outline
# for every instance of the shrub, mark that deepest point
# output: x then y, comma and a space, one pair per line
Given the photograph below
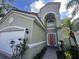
72, 53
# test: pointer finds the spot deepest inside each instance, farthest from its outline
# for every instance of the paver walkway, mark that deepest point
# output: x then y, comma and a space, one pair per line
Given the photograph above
50, 53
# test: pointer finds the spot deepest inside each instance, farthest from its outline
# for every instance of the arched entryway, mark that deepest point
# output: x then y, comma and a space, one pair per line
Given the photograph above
50, 22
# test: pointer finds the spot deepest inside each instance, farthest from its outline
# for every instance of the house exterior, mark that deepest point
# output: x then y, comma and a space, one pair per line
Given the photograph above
42, 27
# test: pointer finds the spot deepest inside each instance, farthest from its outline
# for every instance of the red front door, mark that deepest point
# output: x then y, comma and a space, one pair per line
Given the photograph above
51, 39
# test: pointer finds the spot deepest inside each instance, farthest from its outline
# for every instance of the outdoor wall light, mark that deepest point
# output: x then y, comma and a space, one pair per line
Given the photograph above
27, 31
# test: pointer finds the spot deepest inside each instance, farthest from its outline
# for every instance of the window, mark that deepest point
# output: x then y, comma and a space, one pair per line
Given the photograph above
50, 23
50, 19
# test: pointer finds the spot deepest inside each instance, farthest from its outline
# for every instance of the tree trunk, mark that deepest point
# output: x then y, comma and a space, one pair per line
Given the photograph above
70, 41
73, 37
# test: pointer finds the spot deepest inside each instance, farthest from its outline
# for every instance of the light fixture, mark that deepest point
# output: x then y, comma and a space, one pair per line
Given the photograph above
27, 31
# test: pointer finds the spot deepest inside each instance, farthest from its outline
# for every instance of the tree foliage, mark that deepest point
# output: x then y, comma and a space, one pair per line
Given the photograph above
67, 23
73, 3
5, 6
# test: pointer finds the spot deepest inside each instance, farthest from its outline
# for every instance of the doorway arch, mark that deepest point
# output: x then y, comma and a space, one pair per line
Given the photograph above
50, 22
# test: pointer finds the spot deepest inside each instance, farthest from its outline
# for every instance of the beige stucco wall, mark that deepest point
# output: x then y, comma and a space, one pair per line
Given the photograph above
17, 21
20, 21
38, 35
26, 23
31, 52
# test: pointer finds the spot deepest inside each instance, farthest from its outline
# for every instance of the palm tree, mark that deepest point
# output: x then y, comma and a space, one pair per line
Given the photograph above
71, 4
5, 6
67, 23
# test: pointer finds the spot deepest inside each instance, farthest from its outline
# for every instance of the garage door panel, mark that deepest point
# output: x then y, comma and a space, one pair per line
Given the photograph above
6, 37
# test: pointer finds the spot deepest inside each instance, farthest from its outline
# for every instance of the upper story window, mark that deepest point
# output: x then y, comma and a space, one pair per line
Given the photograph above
50, 23
50, 19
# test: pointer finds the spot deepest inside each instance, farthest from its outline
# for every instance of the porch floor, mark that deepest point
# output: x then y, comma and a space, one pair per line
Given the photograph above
50, 53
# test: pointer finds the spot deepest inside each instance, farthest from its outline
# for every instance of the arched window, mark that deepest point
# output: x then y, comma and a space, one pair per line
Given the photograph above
50, 23
50, 19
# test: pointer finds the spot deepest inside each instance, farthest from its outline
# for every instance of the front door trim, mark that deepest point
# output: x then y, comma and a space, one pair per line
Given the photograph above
47, 38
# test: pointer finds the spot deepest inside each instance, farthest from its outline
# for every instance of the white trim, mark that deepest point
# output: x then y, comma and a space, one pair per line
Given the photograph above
47, 38
11, 20
51, 33
55, 14
12, 27
51, 28
24, 16
35, 44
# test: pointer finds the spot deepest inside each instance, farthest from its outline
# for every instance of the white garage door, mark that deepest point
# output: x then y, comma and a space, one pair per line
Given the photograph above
6, 37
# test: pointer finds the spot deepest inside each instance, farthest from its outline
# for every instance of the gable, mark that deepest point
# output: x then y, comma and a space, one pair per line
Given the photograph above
19, 18
51, 7
34, 16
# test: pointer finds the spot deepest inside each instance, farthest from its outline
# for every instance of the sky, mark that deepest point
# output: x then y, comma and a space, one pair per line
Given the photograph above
35, 5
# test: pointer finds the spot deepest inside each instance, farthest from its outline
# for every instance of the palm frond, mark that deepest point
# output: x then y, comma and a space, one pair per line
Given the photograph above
71, 3
76, 10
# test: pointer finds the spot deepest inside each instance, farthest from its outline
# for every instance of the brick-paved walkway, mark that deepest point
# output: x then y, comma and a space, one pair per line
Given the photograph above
50, 53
